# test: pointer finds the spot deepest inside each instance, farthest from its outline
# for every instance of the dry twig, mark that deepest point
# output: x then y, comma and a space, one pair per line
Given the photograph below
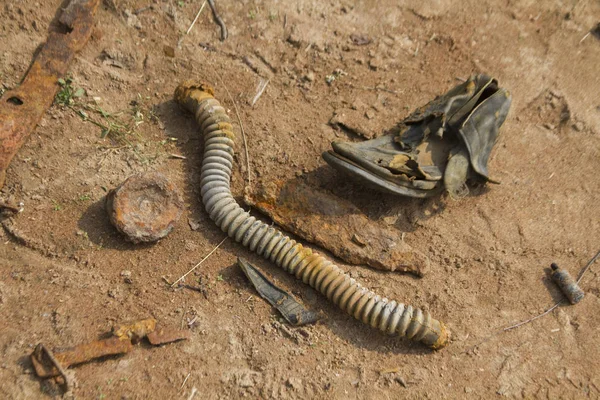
218, 20
192, 25
185, 380
194, 390
237, 113
261, 88
197, 265
195, 19
548, 311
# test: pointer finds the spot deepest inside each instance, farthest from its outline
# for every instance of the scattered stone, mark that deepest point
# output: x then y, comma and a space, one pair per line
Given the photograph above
126, 275
145, 207
190, 245
247, 378
114, 57
132, 20
376, 63
390, 220
194, 225
354, 121
295, 37
169, 51
401, 381
358, 240
294, 383
360, 39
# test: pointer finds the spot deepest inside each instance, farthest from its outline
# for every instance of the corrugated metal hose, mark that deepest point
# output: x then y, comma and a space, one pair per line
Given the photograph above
388, 316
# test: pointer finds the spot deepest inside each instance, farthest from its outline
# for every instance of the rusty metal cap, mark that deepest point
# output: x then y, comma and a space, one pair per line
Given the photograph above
145, 207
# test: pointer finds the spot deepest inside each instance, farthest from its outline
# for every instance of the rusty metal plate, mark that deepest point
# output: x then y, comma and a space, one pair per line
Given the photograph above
336, 225
22, 108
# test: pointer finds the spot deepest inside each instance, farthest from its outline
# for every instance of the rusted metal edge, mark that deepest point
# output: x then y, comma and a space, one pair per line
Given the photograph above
49, 364
46, 368
294, 312
22, 108
163, 336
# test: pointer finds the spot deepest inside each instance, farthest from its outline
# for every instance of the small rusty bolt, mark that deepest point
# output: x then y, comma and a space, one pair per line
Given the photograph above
145, 207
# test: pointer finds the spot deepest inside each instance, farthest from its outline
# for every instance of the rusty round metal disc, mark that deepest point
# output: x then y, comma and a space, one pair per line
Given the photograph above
145, 207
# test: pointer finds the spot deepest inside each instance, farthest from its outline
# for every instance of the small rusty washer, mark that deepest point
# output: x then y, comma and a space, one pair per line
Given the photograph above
145, 207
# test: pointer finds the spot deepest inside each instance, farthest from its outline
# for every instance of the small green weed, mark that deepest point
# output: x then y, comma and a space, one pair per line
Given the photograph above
84, 197
67, 94
56, 205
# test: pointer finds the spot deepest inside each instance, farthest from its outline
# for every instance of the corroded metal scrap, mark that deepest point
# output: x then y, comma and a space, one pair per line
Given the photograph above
163, 336
145, 207
336, 225
48, 363
45, 368
293, 312
136, 331
22, 108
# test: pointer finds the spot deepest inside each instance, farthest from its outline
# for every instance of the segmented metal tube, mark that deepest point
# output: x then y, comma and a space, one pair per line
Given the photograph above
388, 316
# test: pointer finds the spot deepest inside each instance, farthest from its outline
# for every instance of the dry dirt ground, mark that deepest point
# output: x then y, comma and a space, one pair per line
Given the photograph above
75, 277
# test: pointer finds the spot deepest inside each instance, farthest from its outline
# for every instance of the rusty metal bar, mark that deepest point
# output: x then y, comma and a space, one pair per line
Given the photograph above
82, 353
22, 108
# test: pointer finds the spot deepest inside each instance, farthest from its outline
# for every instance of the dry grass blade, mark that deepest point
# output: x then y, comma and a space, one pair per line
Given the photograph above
200, 263
237, 113
261, 88
195, 19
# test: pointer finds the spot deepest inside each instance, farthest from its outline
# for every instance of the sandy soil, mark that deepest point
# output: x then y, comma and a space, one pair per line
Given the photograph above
489, 251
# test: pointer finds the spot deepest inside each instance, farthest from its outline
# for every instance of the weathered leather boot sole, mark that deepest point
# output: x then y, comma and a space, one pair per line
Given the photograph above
438, 146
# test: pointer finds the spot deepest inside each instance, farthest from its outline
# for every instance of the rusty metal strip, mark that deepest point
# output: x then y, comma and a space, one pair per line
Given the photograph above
337, 225
45, 368
163, 336
22, 108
